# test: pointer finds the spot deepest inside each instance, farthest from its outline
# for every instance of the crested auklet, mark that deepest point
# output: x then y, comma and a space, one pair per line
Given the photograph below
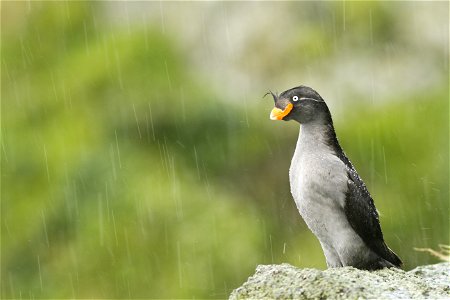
329, 194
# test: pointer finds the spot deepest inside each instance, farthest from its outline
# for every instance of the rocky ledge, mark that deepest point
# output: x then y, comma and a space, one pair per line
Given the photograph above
288, 282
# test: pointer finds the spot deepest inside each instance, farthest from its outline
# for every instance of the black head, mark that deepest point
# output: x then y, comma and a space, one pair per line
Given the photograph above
302, 104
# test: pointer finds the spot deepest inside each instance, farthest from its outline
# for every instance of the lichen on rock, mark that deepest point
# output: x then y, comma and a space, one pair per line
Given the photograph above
288, 282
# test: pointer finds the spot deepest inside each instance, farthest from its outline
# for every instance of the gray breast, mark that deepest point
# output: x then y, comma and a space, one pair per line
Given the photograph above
318, 181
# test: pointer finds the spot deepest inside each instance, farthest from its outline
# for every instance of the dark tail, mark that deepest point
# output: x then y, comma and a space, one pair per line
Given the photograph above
393, 258
388, 260
386, 254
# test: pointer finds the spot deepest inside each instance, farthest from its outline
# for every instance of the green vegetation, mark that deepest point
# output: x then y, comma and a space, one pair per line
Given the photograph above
125, 175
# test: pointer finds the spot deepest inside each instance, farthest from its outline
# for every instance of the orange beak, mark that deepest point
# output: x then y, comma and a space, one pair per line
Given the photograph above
278, 114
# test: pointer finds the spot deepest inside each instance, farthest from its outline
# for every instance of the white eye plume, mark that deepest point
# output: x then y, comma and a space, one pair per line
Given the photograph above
295, 98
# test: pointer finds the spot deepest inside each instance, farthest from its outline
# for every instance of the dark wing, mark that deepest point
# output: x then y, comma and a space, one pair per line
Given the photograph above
363, 217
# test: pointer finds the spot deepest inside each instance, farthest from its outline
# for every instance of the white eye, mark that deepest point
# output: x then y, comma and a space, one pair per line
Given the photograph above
295, 98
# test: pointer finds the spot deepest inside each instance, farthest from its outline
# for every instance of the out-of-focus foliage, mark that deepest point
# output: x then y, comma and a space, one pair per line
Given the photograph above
125, 174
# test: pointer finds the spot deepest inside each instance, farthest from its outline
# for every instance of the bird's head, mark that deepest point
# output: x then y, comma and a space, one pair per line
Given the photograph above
302, 104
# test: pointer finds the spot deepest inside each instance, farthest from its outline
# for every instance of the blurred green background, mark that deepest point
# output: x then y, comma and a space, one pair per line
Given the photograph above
138, 159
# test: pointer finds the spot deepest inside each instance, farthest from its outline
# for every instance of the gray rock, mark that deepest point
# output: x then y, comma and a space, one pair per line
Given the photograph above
286, 281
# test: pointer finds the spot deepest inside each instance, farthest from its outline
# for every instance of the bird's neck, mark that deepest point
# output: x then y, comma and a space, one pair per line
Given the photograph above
314, 136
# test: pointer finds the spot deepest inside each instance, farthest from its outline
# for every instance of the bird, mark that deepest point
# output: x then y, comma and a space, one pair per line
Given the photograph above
331, 197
